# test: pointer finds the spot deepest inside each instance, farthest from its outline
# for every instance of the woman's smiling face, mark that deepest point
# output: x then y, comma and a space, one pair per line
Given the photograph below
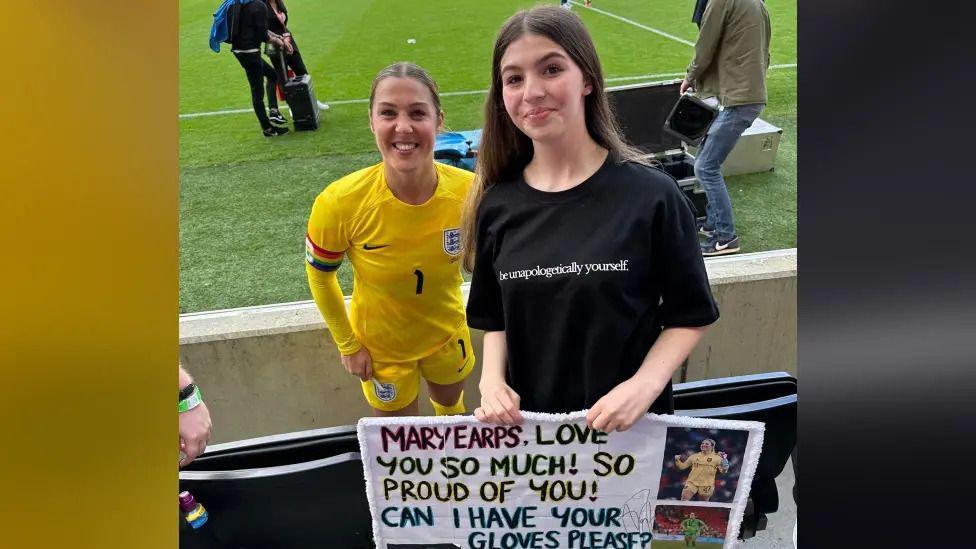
404, 120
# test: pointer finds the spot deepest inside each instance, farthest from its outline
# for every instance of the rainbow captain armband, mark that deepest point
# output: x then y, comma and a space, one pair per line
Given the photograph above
320, 258
191, 401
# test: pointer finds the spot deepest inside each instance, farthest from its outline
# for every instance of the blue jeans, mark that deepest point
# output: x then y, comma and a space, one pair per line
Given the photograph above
722, 137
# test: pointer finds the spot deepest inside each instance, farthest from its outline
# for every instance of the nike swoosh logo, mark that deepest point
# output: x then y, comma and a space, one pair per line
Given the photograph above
720, 247
368, 247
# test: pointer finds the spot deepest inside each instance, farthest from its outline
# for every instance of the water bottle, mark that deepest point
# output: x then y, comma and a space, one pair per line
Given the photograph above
194, 513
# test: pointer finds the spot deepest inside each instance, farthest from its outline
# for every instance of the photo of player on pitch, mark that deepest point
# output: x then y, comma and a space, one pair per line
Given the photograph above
679, 526
701, 464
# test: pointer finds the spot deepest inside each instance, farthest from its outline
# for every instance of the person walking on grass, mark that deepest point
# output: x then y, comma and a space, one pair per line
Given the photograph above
261, 77
730, 63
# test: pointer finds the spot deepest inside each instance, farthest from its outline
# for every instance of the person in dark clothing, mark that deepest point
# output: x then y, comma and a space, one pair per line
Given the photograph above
587, 277
253, 31
699, 12
277, 24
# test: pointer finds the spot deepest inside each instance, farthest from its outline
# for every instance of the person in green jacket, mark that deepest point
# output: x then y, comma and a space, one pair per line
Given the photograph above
730, 63
691, 528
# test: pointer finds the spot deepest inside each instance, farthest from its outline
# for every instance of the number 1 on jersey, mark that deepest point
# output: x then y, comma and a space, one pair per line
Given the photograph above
420, 281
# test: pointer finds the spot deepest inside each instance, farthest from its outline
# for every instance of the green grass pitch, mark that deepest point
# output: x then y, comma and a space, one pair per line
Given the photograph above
244, 199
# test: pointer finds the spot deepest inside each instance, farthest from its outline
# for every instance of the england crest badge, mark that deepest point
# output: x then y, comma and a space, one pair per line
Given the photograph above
452, 241
384, 391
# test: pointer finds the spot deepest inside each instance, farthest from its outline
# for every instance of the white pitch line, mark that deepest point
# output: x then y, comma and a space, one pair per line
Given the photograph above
336, 102
638, 25
648, 77
643, 76
213, 113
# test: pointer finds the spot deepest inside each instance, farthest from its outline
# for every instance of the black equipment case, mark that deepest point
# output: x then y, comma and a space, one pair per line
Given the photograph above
300, 96
301, 100
650, 121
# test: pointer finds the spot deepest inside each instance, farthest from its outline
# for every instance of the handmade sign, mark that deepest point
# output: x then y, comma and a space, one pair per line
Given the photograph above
552, 482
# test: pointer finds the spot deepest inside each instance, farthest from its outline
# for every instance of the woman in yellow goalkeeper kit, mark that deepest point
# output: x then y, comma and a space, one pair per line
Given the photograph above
398, 223
704, 466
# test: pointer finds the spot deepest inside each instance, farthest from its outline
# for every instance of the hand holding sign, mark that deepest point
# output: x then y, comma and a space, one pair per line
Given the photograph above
499, 404
622, 406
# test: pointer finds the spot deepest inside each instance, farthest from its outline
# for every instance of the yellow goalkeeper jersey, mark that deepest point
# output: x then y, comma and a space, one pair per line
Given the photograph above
406, 300
703, 468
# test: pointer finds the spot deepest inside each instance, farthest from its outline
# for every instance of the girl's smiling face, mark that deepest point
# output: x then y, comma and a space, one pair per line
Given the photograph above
543, 89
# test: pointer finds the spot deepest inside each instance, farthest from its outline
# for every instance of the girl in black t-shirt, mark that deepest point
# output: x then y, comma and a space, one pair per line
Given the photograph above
586, 272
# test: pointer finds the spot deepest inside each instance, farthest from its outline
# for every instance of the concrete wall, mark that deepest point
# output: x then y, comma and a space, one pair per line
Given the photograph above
274, 369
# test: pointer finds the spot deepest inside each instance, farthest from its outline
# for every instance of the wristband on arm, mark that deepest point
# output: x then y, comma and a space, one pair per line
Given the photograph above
191, 401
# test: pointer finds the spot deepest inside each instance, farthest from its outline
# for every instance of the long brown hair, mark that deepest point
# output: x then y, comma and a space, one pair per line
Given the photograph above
505, 150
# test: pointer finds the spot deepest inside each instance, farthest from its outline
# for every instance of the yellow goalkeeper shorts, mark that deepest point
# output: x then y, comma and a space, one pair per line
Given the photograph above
395, 385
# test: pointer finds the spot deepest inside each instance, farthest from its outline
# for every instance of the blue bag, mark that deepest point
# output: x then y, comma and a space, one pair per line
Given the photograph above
224, 27
459, 149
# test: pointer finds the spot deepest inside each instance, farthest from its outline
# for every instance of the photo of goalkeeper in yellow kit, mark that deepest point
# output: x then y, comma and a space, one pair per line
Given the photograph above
701, 464
705, 465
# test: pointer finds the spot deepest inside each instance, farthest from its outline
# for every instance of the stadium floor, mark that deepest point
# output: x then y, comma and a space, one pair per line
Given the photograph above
779, 532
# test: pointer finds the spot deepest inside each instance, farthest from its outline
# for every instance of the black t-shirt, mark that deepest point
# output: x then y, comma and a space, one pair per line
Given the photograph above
583, 281
252, 26
275, 25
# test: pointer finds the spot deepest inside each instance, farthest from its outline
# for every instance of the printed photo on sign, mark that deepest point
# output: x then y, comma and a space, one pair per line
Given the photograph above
702, 464
682, 526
